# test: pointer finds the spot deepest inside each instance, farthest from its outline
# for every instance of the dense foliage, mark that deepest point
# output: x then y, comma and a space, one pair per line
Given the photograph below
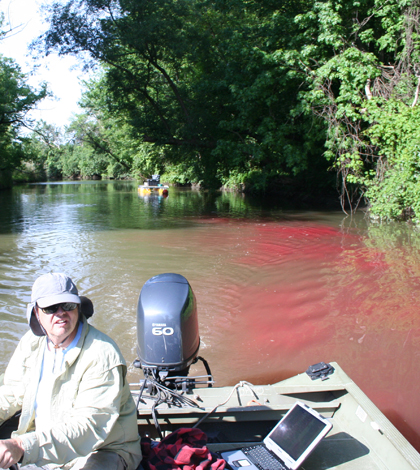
249, 94
199, 82
365, 71
16, 100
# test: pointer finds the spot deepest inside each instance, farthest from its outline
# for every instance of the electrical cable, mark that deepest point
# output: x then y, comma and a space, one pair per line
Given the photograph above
240, 384
141, 392
163, 395
207, 367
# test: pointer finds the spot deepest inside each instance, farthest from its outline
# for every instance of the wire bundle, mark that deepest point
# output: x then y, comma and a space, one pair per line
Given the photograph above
164, 395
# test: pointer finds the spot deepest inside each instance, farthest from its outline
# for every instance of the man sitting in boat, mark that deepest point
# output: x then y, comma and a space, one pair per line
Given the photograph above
68, 379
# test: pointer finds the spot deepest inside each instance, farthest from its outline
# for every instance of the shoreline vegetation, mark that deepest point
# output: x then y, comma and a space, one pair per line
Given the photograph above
307, 99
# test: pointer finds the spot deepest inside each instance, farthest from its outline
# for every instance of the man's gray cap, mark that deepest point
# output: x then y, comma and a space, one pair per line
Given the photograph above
50, 289
54, 288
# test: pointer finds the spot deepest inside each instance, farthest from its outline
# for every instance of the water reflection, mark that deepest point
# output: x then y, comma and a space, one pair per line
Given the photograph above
277, 290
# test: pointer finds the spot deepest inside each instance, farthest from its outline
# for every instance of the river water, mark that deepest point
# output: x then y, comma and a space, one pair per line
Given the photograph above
277, 290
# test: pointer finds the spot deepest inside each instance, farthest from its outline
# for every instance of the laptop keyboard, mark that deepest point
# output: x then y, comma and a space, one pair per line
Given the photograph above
262, 458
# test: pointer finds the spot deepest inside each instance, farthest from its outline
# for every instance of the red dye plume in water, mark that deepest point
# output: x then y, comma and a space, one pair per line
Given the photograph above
292, 295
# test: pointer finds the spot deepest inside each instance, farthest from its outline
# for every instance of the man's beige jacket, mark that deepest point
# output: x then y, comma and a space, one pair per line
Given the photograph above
91, 405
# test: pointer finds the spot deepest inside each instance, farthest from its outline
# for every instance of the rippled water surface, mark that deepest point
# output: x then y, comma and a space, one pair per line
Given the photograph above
277, 290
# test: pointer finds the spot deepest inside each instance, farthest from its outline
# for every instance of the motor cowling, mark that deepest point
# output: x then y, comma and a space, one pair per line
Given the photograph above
167, 324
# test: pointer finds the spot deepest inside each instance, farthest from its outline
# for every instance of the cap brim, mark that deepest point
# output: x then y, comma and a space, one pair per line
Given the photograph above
58, 299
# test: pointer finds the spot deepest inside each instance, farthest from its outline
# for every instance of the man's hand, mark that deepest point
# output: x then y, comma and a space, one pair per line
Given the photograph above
11, 450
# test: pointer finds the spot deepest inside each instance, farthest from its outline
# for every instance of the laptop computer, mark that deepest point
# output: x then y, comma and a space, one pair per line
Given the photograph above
287, 445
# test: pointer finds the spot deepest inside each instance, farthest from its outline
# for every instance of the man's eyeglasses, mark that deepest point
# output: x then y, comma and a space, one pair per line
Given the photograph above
67, 307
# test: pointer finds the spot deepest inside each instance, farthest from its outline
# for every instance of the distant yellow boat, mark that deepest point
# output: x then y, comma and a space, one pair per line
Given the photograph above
161, 190
153, 185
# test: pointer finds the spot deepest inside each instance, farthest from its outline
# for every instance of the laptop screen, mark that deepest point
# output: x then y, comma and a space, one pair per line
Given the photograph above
297, 431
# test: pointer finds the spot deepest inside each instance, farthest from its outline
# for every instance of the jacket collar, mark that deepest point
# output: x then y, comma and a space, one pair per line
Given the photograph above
74, 353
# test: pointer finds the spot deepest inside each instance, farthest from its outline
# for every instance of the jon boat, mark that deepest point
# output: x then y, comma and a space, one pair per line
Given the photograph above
361, 438
168, 398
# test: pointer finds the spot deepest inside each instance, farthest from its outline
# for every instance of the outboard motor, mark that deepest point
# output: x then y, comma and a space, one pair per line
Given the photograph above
167, 330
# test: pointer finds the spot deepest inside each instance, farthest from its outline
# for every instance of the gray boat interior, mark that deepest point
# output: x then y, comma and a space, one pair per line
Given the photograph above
362, 437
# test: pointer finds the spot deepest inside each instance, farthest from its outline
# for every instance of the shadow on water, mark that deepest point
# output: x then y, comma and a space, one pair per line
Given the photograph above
103, 205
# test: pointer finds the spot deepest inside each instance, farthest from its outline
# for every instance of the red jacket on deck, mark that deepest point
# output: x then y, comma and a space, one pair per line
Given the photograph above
183, 449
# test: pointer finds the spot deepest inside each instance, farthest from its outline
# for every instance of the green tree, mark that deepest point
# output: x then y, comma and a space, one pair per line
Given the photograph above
393, 186
361, 59
199, 80
16, 100
43, 149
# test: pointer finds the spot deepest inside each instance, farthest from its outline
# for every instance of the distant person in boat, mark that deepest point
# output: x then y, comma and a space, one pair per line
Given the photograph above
69, 380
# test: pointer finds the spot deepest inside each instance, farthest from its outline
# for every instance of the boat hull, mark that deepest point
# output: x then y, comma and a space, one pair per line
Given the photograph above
146, 190
361, 438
